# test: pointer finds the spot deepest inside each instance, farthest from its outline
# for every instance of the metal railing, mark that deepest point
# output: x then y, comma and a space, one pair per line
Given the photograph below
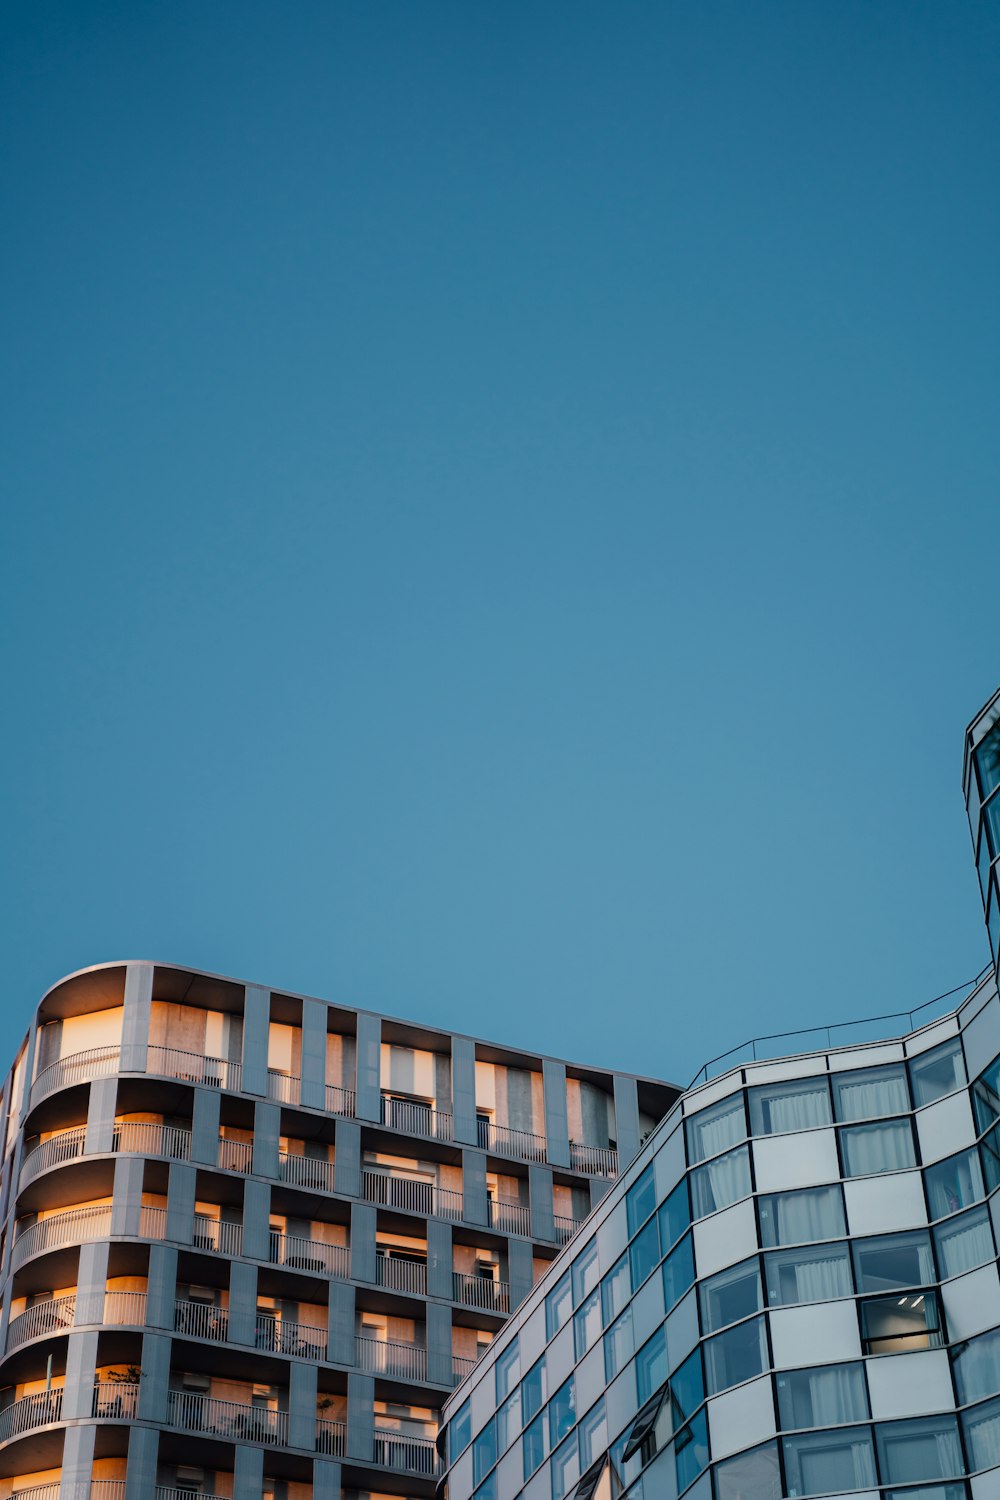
164, 1492
201, 1320
152, 1139
331, 1437
217, 1234
152, 1223
66, 1146
44, 1317
286, 1088
339, 1101
123, 1308
78, 1067
565, 1228
282, 1336
380, 1357
481, 1291
230, 1419
401, 1275
460, 1367
392, 1450
313, 1172
115, 1401
510, 1218
505, 1141
416, 1194
300, 1254
194, 1067
71, 1228
414, 1118
235, 1156
36, 1410
596, 1161
41, 1492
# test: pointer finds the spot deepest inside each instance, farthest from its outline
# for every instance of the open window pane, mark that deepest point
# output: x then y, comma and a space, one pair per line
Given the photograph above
815, 1273
829, 1396
893, 1260
895, 1325
800, 1104
800, 1217
871, 1093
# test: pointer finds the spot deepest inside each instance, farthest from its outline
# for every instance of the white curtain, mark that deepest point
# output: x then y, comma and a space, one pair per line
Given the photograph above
910, 1456
716, 1132
836, 1464
977, 1368
879, 1148
808, 1215
969, 1244
863, 1098
983, 1434
822, 1278
799, 1111
836, 1395
721, 1182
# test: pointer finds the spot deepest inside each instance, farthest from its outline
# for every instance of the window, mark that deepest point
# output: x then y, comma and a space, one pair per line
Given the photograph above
736, 1355
981, 1425
533, 1445
893, 1260
750, 1476
687, 1389
887, 1147
920, 1449
817, 1273
643, 1423
484, 1452
826, 1463
964, 1242
508, 1421
986, 1096
691, 1450
558, 1305
651, 1365
802, 1104
716, 1129
585, 1273
721, 1182
954, 1183
593, 1434
640, 1200
644, 1253
730, 1296
678, 1273
987, 760
508, 1369
587, 1323
487, 1490
616, 1288
938, 1072
976, 1364
825, 1397
674, 1215
562, 1412
800, 1217
534, 1389
871, 1092
587, 1489
459, 1431
618, 1345
989, 1152
565, 1467
895, 1325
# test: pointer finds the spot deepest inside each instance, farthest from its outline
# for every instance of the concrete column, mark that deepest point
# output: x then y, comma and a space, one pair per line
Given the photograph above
439, 1362
126, 1208
266, 1132
140, 1472
627, 1132
91, 1279
248, 1473
242, 1303
326, 1479
302, 1379
556, 1116
162, 1294
182, 1181
77, 1462
256, 1030
340, 1323
101, 1116
360, 1417
314, 1054
520, 1270
205, 1126
368, 1103
256, 1220
474, 1204
363, 1242
440, 1259
155, 1380
347, 1159
81, 1365
540, 1198
598, 1187
463, 1089
135, 1024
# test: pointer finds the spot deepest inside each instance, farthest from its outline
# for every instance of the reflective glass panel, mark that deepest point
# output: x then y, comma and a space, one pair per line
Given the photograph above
800, 1104
585, 1273
827, 1463
651, 1365
981, 1425
887, 1147
731, 1295
640, 1200
894, 1325
721, 1182
587, 1323
565, 1467
508, 1370
687, 1389
923, 1448
824, 1397
987, 757
562, 1412
964, 1242
484, 1452
678, 1272
618, 1345
977, 1367
813, 1273
534, 1388
558, 1305
674, 1215
460, 1431
938, 1072
989, 1155
986, 1096
533, 1445
508, 1421
716, 1129
954, 1183
750, 1476
803, 1216
644, 1253
690, 1451
593, 1432
487, 1490
736, 1355
870, 1093
893, 1260
616, 1288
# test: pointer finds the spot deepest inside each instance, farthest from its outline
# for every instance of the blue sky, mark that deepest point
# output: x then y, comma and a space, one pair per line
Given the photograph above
501, 505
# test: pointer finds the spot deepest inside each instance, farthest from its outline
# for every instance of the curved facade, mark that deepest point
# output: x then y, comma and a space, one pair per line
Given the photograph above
982, 797
251, 1240
793, 1291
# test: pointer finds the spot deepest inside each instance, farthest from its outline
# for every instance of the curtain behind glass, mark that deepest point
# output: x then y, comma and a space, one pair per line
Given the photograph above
813, 1214
716, 1130
823, 1398
964, 1243
977, 1368
721, 1182
866, 1096
878, 1148
954, 1183
982, 1434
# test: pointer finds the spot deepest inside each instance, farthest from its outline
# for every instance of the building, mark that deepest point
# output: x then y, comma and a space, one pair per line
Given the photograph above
250, 1240
793, 1290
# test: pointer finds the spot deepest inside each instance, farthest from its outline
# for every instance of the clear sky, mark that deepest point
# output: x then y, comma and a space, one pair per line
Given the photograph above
501, 505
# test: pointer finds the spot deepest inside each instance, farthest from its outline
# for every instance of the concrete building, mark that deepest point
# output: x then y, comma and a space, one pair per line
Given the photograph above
250, 1240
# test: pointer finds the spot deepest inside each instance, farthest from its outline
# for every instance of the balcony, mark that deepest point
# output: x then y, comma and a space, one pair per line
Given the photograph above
78, 1067
413, 1455
416, 1194
150, 1139
282, 1336
595, 1161
99, 1489
414, 1118
164, 1492
115, 1401
283, 1087
36, 1410
193, 1067
43, 1318
482, 1292
331, 1437
66, 1146
401, 1275
503, 1141
300, 1254
565, 1228
460, 1367
229, 1419
61, 1313
74, 1227
217, 1234
339, 1101
123, 1309
380, 1357
311, 1172
509, 1218
235, 1156
201, 1320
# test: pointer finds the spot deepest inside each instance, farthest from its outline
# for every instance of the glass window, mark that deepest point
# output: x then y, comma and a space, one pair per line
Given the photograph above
964, 1242
827, 1463
593, 1432
640, 1200
736, 1355
893, 1260
558, 1305
894, 1325
508, 1370
585, 1273
954, 1183
983, 860
922, 1448
987, 758
678, 1272
716, 1129
643, 1424
801, 1217
484, 1451
799, 1104
616, 1288
488, 1490
814, 1273
986, 1096
687, 1389
731, 1295
508, 1421
989, 1152
459, 1431
721, 1182
750, 1476
690, 1451
565, 1467
991, 822
977, 1367
534, 1389
870, 1092
887, 1147
675, 1214
981, 1425
651, 1365
644, 1253
618, 1345
825, 1397
533, 1445
562, 1412
938, 1072
587, 1323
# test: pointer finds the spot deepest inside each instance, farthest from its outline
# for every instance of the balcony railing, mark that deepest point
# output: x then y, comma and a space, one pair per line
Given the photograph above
201, 1320
194, 1067
164, 1492
115, 1401
217, 1234
40, 1492
565, 1228
596, 1161
300, 1254
504, 1141
339, 1101
331, 1437
44, 1317
36, 1410
153, 1223
313, 1172
152, 1139
286, 1088
282, 1336
235, 1156
380, 1357
510, 1218
78, 1067
414, 1118
415, 1455
71, 1228
229, 1419
460, 1367
401, 1275
66, 1146
417, 1194
122, 1309
482, 1292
